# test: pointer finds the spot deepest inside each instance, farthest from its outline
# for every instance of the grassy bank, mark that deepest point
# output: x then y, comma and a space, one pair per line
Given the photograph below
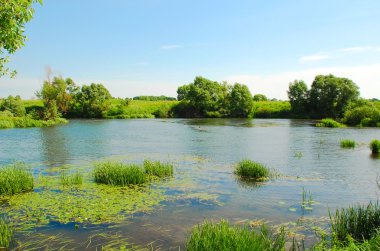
7, 121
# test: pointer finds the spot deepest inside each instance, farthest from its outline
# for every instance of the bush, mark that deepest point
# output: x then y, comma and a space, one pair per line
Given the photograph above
158, 169
119, 174
346, 143
252, 170
329, 123
221, 236
6, 234
375, 146
15, 179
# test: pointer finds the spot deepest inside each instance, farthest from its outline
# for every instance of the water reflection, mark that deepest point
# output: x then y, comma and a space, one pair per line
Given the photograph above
54, 146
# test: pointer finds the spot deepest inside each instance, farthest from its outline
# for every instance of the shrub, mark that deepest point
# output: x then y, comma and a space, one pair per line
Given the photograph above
119, 174
158, 169
221, 236
375, 146
15, 179
252, 170
346, 143
329, 123
6, 234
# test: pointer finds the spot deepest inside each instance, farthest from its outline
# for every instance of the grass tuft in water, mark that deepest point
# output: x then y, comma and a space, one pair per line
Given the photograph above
329, 123
6, 233
347, 143
375, 146
221, 236
158, 169
119, 174
15, 179
74, 179
252, 170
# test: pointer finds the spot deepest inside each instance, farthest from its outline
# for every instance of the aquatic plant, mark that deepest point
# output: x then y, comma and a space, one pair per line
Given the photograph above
307, 200
375, 146
74, 179
6, 233
359, 222
156, 168
347, 143
222, 236
252, 170
329, 123
15, 178
119, 174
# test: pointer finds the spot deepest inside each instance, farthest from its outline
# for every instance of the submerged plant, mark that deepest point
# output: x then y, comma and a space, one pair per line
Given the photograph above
15, 178
375, 146
119, 174
347, 143
222, 236
252, 170
158, 169
6, 233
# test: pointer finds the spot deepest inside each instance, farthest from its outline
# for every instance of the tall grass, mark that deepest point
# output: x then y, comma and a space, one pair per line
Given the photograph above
347, 143
360, 223
6, 234
222, 237
158, 169
74, 179
14, 179
329, 123
375, 146
119, 174
252, 170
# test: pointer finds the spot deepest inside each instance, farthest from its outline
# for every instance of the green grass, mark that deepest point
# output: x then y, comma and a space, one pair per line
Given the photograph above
375, 146
252, 170
6, 234
74, 179
347, 143
158, 169
271, 109
119, 174
7, 121
222, 237
329, 123
15, 179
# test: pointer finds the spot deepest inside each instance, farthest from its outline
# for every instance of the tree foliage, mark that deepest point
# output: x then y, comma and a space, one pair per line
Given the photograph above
298, 94
14, 14
13, 105
240, 101
260, 97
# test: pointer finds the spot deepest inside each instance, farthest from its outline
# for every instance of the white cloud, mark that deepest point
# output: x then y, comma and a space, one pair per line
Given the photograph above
315, 57
275, 85
358, 49
171, 47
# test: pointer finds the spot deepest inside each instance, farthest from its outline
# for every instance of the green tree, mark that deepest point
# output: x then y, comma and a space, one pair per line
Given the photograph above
330, 96
298, 95
13, 105
260, 97
240, 101
14, 14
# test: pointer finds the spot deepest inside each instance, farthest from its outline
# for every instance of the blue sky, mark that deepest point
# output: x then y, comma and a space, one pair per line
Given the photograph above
150, 47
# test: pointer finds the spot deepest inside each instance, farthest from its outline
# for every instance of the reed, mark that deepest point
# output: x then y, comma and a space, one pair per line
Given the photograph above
375, 146
119, 174
329, 123
222, 237
252, 170
74, 179
15, 178
347, 143
6, 234
156, 168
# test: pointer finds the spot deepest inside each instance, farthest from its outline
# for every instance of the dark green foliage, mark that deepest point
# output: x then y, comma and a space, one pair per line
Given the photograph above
15, 179
360, 223
119, 174
154, 98
329, 123
224, 237
298, 94
252, 170
362, 113
260, 97
13, 105
6, 233
240, 101
347, 143
156, 168
375, 146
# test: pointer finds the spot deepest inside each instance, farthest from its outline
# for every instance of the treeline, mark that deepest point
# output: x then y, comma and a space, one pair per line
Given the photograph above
154, 98
332, 97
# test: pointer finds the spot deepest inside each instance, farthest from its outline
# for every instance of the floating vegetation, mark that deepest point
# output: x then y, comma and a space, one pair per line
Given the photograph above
252, 170
298, 155
119, 174
222, 236
15, 179
156, 168
347, 143
74, 179
6, 233
375, 146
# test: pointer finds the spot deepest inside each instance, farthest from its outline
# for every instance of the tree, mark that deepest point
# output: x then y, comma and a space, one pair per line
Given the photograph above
298, 95
13, 105
260, 97
330, 96
240, 101
14, 14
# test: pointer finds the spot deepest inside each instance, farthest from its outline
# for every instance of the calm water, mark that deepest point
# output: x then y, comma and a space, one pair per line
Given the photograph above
204, 153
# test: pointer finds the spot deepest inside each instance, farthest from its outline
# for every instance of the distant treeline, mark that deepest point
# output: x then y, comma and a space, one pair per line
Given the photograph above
154, 98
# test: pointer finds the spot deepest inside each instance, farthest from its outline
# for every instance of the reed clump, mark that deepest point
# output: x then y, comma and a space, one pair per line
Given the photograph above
74, 179
252, 170
347, 143
6, 234
222, 236
156, 168
119, 174
329, 123
15, 178
375, 146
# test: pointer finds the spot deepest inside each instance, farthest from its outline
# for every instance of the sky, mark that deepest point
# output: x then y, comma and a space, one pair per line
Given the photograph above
150, 47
